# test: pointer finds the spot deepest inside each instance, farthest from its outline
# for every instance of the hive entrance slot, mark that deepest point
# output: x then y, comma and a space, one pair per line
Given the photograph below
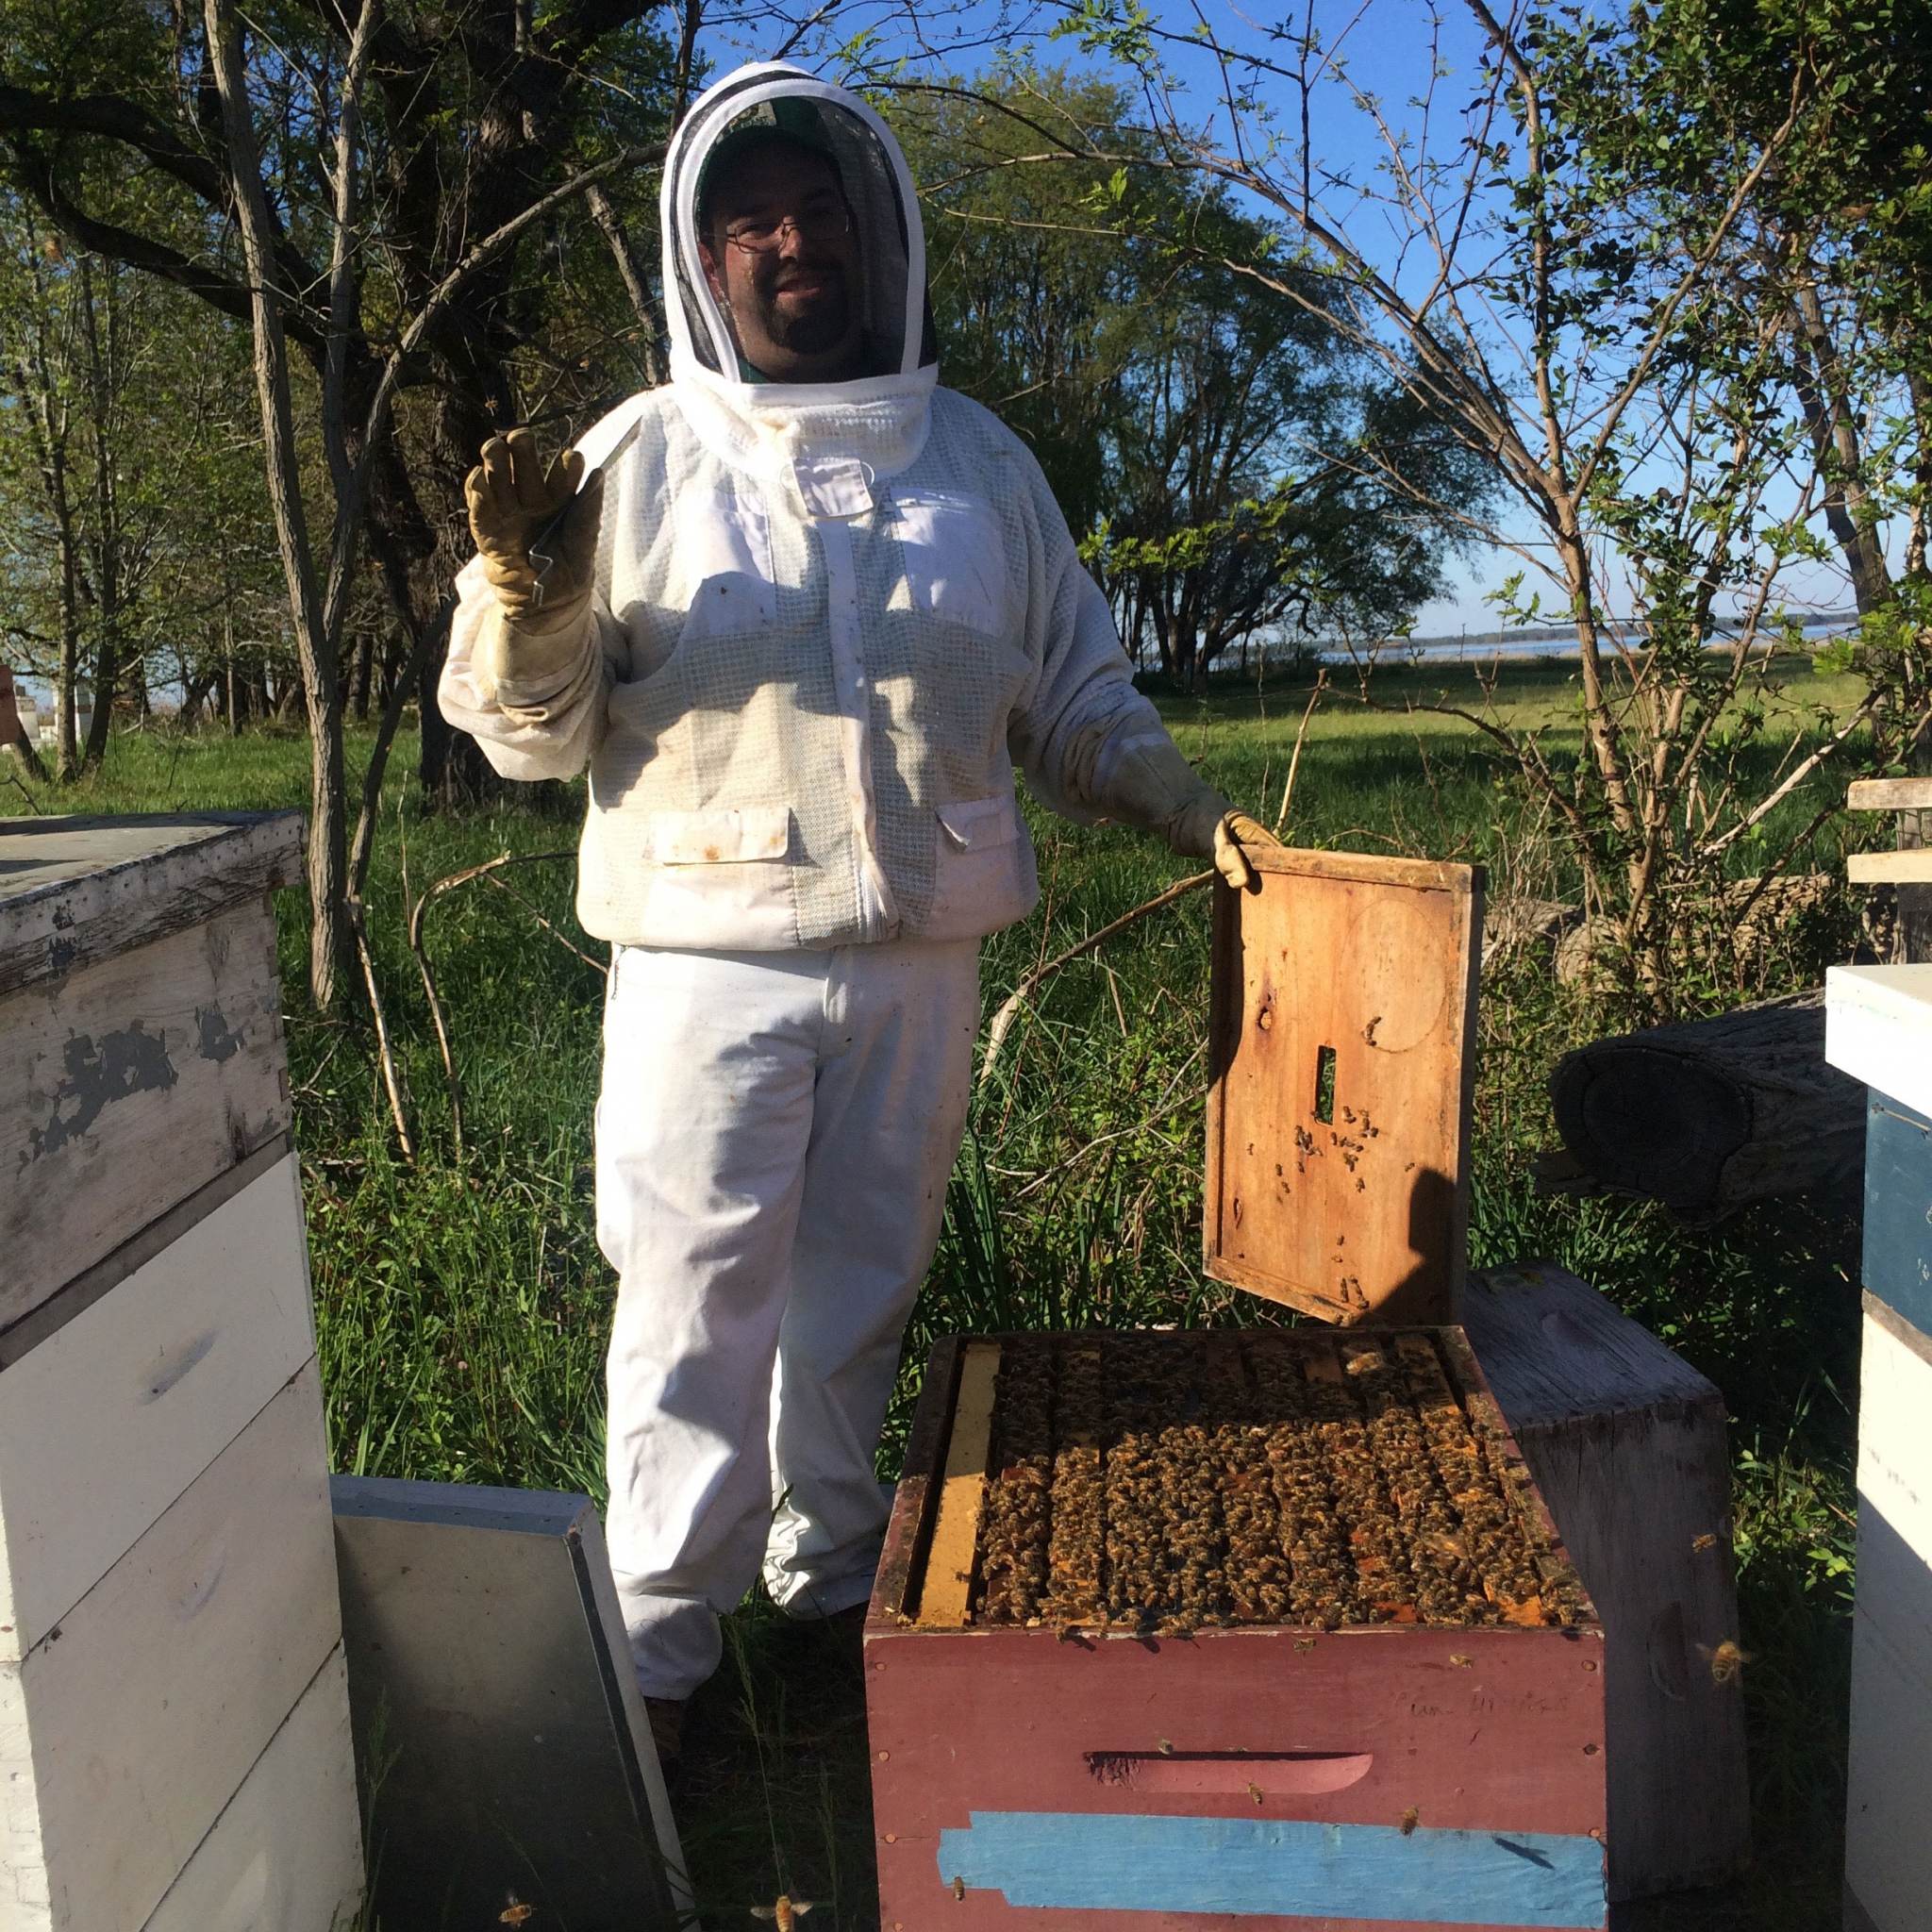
1324, 1085
1258, 1773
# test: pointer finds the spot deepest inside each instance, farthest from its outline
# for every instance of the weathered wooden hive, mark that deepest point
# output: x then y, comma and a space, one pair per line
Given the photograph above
1267, 1626
175, 1749
1879, 1030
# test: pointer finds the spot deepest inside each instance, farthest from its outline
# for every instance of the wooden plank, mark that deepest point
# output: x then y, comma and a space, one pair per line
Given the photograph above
1912, 866
1890, 795
1240, 1867
1342, 1031
484, 1639
1895, 1477
1498, 1733
916, 1499
126, 1088
146, 1705
1878, 1030
285, 1854
945, 1597
1627, 1444
1364, 868
74, 891
112, 1418
1888, 1854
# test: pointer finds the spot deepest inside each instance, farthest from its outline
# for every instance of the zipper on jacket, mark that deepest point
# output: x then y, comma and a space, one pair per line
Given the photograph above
878, 911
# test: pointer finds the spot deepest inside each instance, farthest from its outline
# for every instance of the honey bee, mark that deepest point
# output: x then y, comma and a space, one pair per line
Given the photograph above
1726, 1661
784, 1911
959, 1888
515, 1912
1410, 1818
1701, 1544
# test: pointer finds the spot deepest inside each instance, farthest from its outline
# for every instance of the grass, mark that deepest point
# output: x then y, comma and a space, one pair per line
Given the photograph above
463, 1304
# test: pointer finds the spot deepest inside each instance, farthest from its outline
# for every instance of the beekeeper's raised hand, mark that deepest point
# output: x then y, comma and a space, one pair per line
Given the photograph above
542, 576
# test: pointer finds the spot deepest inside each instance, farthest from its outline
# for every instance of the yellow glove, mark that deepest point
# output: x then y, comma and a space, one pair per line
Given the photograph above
513, 500
1232, 830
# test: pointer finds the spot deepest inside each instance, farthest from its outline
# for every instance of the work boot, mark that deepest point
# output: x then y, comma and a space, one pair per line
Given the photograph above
667, 1730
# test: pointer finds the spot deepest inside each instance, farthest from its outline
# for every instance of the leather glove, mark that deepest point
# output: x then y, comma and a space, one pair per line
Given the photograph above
1156, 787
513, 498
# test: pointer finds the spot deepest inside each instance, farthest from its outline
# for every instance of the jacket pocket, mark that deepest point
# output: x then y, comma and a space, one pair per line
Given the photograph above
723, 559
956, 567
720, 837
983, 874
975, 824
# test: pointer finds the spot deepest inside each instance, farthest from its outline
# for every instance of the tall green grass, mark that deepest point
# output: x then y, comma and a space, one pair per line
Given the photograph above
463, 1304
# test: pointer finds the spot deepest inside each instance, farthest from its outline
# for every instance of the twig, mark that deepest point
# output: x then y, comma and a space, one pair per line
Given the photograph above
385, 1056
13, 778
569, 945
1797, 777
449, 884
1294, 759
1009, 1011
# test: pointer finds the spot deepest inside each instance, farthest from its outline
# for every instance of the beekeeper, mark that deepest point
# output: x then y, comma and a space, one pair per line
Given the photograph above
801, 631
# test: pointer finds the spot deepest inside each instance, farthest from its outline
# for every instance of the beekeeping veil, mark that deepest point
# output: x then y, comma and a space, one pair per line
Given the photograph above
879, 188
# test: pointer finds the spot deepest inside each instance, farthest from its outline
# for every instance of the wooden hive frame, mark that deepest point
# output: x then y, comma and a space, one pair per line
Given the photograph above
1342, 1035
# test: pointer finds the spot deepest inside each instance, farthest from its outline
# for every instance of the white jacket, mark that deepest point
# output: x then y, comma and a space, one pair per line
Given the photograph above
829, 621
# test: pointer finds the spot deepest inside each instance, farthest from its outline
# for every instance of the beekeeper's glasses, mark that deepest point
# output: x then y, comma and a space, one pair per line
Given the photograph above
822, 220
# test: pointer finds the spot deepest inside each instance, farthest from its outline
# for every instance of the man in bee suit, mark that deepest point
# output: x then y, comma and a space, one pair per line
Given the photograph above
802, 630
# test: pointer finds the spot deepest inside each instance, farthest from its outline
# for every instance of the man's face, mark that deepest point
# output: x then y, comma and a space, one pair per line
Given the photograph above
794, 304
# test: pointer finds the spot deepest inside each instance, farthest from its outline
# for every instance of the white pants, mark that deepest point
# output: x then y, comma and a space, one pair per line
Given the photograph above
774, 1140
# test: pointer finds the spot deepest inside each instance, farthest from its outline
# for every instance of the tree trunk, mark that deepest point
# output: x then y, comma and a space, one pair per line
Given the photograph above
331, 936
1713, 1114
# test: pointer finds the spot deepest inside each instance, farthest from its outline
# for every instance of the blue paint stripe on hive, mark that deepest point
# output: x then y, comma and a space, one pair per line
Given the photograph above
1898, 1209
1287, 1867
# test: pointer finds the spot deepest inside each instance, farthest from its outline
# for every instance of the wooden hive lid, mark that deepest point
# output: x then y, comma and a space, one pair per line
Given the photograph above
1341, 1029
76, 890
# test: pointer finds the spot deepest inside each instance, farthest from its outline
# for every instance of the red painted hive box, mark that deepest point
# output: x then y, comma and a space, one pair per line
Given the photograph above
1263, 1629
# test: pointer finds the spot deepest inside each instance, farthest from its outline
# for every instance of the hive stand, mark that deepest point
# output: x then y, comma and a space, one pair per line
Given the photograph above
1627, 1442
1878, 1030
175, 1749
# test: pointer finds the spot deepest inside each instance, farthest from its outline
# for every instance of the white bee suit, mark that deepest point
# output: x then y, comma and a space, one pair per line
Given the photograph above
829, 622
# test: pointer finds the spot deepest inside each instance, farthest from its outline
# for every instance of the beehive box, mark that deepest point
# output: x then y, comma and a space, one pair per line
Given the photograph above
1878, 1028
1267, 1629
174, 1750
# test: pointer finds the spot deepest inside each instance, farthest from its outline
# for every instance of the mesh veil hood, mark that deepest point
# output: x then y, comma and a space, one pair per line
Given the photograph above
877, 185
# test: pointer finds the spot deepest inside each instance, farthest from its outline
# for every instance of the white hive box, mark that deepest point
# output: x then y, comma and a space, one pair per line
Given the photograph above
175, 1744
1878, 1028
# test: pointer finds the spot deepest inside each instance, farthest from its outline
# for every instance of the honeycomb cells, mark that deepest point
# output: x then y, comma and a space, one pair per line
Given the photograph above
1166, 1483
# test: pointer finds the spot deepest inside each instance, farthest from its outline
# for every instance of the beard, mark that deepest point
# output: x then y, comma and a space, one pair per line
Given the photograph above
821, 324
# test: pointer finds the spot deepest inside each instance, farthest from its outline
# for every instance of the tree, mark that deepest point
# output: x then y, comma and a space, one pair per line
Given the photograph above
1572, 320
355, 232
1180, 408
468, 123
